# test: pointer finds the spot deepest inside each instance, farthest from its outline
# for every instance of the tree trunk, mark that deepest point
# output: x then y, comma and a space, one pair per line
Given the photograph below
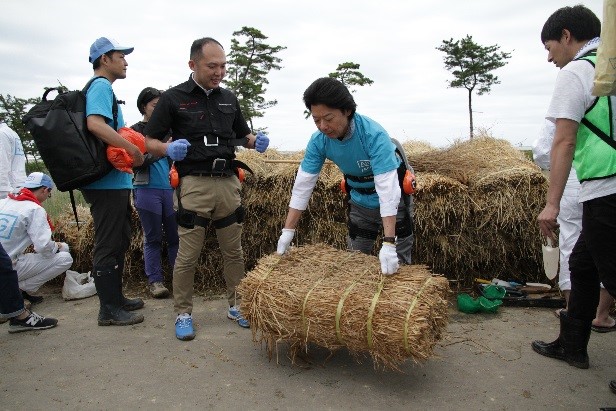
470, 112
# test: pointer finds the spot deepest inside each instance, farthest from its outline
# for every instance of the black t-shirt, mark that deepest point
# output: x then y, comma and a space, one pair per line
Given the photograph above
212, 124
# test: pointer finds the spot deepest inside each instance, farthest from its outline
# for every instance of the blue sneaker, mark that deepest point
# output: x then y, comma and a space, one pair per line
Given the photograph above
184, 328
235, 315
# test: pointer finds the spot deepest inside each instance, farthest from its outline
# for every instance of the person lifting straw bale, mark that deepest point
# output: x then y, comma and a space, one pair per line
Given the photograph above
333, 298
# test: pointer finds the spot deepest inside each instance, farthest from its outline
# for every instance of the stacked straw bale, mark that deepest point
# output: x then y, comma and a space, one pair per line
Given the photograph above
475, 214
319, 294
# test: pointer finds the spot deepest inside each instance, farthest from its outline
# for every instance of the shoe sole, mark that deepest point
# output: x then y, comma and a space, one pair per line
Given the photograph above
22, 329
185, 337
163, 294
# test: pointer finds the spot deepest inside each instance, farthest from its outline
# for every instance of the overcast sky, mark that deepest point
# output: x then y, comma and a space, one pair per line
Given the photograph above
43, 42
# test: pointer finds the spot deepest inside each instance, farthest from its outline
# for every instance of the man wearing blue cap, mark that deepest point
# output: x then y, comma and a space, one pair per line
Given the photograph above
109, 196
24, 222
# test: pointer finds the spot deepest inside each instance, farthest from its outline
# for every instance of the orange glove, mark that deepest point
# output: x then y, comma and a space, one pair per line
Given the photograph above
119, 157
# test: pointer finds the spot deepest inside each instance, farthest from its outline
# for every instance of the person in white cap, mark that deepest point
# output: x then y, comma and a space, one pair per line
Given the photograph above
12, 160
24, 222
109, 197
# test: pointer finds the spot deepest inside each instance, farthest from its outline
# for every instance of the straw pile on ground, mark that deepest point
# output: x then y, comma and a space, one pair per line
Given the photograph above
332, 298
474, 211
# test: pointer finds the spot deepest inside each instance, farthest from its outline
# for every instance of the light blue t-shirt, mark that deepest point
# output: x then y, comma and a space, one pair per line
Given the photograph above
99, 100
368, 151
159, 176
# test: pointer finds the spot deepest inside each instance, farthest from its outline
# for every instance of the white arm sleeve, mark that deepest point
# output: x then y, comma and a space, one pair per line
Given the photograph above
302, 189
388, 188
40, 233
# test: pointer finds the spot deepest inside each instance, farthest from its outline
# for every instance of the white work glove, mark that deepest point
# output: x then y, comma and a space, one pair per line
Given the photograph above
285, 240
63, 247
389, 259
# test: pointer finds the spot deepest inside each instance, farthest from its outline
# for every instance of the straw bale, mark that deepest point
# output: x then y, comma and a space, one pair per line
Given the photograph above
332, 298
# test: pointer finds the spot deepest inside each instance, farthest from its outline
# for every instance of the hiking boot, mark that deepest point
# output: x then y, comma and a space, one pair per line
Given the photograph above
184, 327
158, 290
34, 299
235, 315
31, 322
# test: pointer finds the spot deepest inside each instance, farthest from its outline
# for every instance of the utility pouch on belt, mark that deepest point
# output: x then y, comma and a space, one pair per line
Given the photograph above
186, 218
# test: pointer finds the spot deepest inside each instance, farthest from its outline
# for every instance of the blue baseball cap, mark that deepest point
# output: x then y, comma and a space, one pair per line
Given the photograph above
103, 45
37, 179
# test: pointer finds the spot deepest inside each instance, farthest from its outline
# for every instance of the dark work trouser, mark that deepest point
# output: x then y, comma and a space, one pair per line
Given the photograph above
593, 259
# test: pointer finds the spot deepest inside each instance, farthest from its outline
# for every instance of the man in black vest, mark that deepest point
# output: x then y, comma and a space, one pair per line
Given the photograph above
207, 125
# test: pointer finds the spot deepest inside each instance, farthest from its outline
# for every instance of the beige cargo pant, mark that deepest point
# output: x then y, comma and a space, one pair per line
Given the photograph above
213, 198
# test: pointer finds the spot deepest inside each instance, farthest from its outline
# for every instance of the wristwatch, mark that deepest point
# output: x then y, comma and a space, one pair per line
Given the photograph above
391, 240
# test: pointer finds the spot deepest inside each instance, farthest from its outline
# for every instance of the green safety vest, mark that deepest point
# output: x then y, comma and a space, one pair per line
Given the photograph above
595, 149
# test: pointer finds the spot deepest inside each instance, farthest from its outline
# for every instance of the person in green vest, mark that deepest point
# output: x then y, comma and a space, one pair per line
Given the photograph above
584, 137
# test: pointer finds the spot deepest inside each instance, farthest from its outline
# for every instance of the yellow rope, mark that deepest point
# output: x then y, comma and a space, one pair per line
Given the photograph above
341, 304
371, 312
408, 315
304, 325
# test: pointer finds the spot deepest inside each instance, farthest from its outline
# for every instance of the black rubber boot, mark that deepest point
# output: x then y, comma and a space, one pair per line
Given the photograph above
613, 386
111, 311
552, 350
574, 340
571, 344
129, 304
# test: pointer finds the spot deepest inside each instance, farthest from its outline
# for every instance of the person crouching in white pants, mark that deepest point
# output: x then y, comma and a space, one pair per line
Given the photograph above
24, 222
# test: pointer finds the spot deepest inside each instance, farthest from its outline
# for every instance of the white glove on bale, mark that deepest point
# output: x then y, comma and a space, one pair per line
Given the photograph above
389, 259
285, 240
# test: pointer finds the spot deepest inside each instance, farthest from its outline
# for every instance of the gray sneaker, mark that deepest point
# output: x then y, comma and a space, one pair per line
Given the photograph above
158, 290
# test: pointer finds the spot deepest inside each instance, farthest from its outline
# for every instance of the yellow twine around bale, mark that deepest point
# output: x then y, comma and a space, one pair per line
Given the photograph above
408, 315
341, 304
304, 325
371, 312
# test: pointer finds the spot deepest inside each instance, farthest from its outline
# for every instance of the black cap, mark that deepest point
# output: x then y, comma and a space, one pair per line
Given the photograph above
147, 94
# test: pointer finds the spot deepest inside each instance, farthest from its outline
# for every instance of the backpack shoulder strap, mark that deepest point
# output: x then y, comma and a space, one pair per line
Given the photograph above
114, 106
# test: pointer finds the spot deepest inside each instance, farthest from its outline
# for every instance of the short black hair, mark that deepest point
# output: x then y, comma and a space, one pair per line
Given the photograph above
330, 92
581, 22
97, 63
196, 50
147, 94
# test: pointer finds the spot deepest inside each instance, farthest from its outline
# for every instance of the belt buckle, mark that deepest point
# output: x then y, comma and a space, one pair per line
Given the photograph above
219, 164
205, 141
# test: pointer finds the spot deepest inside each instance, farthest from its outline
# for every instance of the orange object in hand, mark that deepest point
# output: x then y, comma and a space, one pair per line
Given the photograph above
241, 174
409, 184
174, 178
119, 157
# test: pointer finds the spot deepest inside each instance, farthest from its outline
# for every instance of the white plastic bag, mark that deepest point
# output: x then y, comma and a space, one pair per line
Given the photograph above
551, 257
78, 285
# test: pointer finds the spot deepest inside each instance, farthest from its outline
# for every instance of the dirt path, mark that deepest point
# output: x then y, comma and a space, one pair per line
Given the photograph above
484, 362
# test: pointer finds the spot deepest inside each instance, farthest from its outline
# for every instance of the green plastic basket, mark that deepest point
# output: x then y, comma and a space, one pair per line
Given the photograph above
494, 292
468, 304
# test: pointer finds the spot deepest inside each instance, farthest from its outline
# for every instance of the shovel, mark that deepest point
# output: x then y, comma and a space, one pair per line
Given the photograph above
551, 256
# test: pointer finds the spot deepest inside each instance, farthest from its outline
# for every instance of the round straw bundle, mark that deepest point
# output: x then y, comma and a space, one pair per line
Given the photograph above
332, 298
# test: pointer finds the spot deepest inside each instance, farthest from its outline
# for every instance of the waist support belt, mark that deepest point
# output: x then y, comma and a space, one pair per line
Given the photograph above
220, 167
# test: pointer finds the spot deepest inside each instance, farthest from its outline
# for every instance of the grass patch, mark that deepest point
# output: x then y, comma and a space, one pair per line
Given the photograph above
60, 203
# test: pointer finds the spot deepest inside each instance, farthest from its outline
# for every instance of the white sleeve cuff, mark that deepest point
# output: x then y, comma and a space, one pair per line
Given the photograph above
302, 189
388, 188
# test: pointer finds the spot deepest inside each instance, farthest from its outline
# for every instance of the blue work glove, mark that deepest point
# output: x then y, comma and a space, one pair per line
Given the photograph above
389, 259
261, 142
177, 150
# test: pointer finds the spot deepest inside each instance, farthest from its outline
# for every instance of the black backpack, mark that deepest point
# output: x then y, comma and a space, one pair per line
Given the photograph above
73, 156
